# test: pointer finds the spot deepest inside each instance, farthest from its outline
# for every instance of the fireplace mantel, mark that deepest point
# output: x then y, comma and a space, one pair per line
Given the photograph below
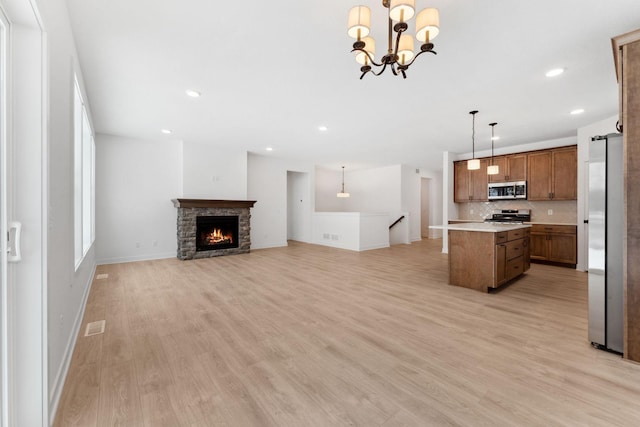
206, 203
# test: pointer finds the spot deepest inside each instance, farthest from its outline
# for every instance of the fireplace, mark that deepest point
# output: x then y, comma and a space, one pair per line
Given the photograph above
216, 232
211, 228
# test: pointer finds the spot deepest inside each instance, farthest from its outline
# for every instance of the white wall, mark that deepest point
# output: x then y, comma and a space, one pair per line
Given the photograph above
602, 127
135, 182
375, 190
213, 173
267, 184
67, 287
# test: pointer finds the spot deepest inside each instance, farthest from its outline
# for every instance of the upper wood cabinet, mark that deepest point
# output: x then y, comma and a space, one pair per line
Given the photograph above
512, 167
553, 174
470, 186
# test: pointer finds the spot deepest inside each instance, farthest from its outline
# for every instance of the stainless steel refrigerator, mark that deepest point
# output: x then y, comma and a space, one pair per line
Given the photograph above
606, 216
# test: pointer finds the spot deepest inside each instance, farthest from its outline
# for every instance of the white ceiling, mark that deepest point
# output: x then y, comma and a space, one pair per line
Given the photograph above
270, 73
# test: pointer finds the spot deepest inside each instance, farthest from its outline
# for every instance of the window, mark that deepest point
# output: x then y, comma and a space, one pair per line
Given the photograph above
84, 178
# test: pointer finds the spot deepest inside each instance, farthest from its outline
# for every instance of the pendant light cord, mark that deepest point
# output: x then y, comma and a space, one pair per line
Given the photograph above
492, 136
473, 133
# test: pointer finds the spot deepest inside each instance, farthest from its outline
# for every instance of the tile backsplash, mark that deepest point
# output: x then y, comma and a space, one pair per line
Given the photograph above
564, 212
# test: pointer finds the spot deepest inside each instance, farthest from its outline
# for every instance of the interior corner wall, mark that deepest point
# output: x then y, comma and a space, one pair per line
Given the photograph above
135, 182
213, 173
267, 184
585, 134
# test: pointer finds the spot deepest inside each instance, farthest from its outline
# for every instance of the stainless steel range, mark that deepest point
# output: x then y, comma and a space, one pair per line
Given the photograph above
513, 216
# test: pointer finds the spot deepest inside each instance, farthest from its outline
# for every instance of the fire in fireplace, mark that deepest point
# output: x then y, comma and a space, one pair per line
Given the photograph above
216, 232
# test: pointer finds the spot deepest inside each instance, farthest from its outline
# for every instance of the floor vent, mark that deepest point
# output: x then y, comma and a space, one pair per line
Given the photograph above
102, 276
95, 328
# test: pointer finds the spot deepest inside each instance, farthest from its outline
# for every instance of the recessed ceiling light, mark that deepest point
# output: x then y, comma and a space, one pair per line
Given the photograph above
269, 149
555, 72
166, 131
193, 93
323, 128
577, 111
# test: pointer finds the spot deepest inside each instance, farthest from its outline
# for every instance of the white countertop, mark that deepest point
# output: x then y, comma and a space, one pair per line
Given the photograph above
486, 227
479, 221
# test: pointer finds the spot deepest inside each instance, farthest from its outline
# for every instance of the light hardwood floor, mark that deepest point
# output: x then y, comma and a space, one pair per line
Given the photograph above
313, 336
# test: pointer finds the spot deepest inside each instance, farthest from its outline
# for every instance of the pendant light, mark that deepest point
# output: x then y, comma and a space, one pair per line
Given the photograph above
473, 164
342, 193
492, 169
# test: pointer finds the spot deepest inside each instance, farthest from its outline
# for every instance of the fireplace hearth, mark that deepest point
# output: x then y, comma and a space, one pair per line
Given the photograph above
210, 228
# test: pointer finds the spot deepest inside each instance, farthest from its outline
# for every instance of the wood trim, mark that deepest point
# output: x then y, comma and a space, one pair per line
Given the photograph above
617, 43
204, 203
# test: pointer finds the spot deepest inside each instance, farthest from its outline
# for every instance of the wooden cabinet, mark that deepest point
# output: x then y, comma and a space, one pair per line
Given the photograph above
626, 49
554, 243
553, 174
512, 255
470, 186
512, 167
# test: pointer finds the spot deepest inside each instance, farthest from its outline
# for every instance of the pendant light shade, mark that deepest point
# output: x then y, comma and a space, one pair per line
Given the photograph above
427, 25
370, 47
405, 49
473, 164
342, 193
402, 10
492, 169
359, 22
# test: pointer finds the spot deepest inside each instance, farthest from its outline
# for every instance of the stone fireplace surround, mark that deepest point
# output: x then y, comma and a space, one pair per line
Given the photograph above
190, 209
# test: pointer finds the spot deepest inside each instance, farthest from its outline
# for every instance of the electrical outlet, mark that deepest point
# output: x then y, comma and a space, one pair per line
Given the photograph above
155, 243
549, 211
326, 236
138, 245
334, 237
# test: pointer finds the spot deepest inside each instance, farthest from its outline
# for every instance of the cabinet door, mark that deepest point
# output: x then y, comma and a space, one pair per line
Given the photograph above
539, 185
562, 248
460, 182
565, 174
501, 162
538, 246
517, 167
479, 182
501, 263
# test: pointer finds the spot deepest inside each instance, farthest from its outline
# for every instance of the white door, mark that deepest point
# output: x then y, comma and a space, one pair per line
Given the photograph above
4, 368
23, 199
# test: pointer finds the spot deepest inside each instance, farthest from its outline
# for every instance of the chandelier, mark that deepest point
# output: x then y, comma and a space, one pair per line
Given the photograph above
400, 54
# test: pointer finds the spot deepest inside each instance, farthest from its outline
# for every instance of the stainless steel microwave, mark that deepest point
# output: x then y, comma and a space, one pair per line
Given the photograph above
507, 190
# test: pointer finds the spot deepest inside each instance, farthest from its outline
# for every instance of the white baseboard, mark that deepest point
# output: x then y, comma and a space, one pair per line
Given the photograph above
269, 245
120, 260
61, 376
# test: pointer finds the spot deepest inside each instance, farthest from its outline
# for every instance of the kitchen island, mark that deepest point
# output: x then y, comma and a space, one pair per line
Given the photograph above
484, 256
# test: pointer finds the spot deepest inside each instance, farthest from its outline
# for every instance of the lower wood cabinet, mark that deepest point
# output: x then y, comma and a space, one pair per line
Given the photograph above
554, 243
512, 255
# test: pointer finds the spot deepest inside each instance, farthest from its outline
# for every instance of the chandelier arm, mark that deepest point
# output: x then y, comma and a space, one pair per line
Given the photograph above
381, 71
368, 55
420, 53
393, 69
